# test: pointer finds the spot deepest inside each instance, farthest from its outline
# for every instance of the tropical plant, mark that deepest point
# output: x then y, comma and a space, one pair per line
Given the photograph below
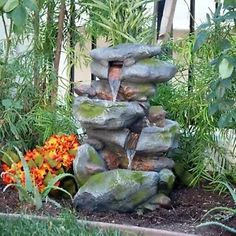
219, 31
226, 213
119, 21
28, 190
44, 163
202, 154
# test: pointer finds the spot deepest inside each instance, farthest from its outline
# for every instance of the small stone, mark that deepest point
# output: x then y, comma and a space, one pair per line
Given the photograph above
157, 116
162, 200
87, 163
167, 179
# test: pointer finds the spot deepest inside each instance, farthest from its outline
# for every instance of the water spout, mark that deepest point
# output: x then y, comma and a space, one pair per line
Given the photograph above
130, 156
115, 86
114, 78
131, 148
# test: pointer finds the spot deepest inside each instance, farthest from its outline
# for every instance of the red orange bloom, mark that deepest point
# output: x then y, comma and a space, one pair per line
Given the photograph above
56, 156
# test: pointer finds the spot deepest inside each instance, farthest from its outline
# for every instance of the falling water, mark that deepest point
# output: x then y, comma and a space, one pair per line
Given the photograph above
131, 147
114, 85
114, 78
130, 156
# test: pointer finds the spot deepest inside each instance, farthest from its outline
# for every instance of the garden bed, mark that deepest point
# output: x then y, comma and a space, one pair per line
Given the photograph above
188, 207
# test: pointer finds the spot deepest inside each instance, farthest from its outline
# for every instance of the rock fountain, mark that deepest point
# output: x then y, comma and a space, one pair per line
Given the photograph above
123, 164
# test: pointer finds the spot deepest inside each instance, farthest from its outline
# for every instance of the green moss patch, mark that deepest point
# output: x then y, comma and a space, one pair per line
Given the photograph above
150, 61
89, 110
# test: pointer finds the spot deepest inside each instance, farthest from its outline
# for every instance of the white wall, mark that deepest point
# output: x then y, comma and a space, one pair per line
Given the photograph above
182, 17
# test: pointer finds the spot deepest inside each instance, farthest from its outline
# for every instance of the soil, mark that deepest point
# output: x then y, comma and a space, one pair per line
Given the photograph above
188, 207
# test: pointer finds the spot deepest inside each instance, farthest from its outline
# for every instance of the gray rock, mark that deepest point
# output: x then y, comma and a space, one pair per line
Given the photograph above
161, 199
155, 139
167, 179
96, 144
103, 114
118, 137
136, 92
129, 53
157, 115
116, 190
145, 73
99, 70
87, 163
85, 89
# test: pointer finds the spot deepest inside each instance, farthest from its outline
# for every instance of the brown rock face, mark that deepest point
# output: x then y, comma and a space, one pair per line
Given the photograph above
144, 164
113, 156
157, 116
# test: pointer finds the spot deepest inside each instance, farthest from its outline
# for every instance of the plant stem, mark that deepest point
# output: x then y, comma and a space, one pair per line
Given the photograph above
36, 23
8, 39
58, 49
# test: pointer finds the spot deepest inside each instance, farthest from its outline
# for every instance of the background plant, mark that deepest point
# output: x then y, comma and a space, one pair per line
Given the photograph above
203, 153
27, 185
44, 164
119, 21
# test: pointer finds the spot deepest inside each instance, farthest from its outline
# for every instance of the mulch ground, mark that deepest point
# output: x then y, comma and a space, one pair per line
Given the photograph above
188, 207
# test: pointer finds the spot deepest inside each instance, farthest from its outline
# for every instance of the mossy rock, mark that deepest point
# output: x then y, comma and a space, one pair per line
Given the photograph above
104, 114
87, 163
117, 190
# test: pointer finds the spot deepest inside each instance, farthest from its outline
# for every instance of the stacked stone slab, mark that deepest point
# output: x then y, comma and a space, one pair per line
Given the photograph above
122, 164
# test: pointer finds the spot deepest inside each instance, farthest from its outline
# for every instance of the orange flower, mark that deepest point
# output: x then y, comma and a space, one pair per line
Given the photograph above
58, 152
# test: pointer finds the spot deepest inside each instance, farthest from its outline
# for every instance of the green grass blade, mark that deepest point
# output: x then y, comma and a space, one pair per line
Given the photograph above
28, 180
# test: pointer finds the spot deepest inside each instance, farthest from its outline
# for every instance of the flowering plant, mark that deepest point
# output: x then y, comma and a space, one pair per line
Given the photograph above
45, 163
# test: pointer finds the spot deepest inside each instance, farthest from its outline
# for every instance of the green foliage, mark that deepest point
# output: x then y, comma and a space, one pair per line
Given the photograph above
29, 191
202, 155
225, 212
119, 21
219, 33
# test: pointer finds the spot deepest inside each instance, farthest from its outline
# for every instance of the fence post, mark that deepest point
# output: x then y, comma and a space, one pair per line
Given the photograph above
191, 31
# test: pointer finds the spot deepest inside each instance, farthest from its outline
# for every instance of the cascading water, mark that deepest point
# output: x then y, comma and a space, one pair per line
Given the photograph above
131, 148
114, 78
130, 155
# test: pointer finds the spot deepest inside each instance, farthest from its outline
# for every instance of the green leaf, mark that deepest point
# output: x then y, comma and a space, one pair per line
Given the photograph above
31, 4
38, 201
28, 181
225, 69
52, 182
19, 16
39, 161
2, 3
224, 120
10, 5
220, 91
200, 40
213, 108
7, 103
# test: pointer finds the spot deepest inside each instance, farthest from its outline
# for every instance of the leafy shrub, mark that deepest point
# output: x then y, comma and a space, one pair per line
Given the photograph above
44, 163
